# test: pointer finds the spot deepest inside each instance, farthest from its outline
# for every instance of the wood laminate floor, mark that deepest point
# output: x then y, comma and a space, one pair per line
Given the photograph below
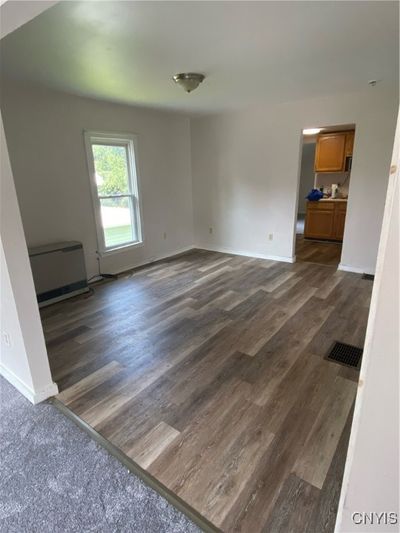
208, 370
323, 253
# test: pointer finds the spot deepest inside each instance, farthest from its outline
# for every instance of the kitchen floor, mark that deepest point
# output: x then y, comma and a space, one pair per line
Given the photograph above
319, 252
208, 370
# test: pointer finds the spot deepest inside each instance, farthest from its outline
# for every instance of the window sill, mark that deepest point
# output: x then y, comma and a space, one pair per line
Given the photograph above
119, 249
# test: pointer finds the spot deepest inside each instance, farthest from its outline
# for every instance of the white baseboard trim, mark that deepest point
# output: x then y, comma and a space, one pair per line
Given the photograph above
46, 392
355, 270
33, 396
153, 259
220, 249
94, 279
256, 255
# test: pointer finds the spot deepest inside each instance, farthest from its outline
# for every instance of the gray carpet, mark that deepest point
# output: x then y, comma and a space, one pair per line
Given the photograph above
54, 478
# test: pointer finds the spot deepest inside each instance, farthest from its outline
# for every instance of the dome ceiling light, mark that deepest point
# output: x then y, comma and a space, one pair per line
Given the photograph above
188, 80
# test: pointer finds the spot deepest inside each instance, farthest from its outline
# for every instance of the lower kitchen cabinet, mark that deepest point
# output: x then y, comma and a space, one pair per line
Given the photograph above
325, 220
339, 220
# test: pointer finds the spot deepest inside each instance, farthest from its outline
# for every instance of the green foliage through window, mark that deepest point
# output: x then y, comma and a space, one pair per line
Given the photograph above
111, 169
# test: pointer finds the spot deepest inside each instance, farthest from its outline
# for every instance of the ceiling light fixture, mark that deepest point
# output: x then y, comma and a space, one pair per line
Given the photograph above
188, 80
311, 131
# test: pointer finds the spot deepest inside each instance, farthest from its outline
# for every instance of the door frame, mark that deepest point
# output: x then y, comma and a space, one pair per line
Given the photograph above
296, 203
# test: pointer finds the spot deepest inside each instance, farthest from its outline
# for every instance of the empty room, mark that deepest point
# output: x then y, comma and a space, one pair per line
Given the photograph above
199, 266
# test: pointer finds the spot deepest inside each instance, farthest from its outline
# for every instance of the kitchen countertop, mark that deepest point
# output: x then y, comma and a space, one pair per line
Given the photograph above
333, 200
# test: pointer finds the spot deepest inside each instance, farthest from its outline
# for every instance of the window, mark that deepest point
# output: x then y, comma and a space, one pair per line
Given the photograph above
113, 176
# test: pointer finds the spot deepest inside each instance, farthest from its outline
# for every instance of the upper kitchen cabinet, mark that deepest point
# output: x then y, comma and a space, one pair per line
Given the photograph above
329, 153
332, 149
348, 150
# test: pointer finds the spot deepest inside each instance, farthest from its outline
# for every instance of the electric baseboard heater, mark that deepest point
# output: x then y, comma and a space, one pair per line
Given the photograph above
58, 271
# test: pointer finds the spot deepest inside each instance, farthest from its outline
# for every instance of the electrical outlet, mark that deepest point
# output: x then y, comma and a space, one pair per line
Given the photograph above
270, 236
165, 235
6, 338
210, 230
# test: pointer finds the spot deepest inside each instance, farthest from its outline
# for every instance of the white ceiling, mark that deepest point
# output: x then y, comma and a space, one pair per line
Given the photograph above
250, 51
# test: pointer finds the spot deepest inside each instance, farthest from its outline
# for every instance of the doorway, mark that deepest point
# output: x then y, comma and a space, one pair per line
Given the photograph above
325, 172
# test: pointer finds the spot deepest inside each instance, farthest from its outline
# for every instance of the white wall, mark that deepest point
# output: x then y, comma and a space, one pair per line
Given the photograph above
13, 353
23, 359
245, 168
52, 178
307, 175
371, 480
15, 14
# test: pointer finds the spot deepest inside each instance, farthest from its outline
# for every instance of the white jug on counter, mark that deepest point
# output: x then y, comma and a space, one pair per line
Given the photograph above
334, 190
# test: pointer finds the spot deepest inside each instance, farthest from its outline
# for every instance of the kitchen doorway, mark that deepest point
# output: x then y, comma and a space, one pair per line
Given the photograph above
325, 173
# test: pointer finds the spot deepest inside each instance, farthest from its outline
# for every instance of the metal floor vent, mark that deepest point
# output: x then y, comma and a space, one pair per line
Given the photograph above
368, 276
345, 354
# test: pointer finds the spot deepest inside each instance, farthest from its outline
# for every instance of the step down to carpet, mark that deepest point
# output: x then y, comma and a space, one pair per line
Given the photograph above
345, 354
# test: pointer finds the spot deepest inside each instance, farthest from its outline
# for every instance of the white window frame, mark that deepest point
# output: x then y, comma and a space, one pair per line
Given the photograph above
129, 141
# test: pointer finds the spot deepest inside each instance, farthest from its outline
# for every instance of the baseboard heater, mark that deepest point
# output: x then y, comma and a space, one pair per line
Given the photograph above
58, 271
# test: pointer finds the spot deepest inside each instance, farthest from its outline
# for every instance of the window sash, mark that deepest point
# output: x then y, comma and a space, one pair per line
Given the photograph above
133, 195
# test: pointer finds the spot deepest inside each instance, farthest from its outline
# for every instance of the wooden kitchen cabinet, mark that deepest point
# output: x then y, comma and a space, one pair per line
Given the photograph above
325, 220
332, 149
348, 150
330, 152
319, 220
339, 220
